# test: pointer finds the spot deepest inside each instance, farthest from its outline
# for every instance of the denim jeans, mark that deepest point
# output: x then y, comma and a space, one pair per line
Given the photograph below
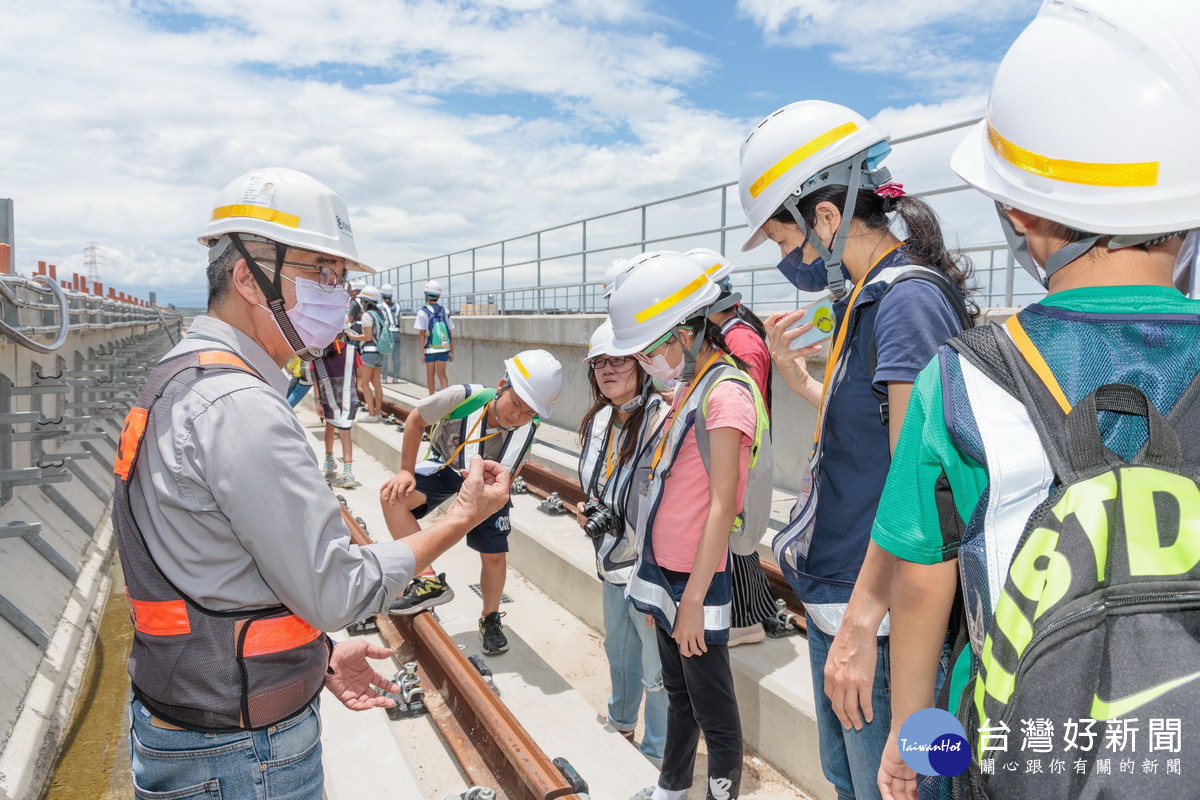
635, 669
282, 762
850, 758
391, 362
296, 391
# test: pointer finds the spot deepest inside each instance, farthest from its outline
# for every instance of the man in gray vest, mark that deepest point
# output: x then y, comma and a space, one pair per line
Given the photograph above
234, 550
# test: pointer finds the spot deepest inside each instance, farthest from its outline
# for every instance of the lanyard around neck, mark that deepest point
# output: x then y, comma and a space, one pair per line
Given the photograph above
835, 354
662, 442
475, 427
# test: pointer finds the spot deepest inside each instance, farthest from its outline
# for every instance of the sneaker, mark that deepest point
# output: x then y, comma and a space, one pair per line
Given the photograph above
369, 418
330, 468
492, 633
747, 635
423, 593
347, 480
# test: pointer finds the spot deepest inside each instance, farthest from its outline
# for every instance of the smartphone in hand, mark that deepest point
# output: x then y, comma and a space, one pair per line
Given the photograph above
820, 314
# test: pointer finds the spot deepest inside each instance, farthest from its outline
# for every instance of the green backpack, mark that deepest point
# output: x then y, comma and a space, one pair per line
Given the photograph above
385, 340
1097, 629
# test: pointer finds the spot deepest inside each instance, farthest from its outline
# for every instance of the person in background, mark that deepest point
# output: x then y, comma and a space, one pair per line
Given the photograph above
754, 611
391, 362
437, 342
831, 214
687, 499
337, 407
367, 333
299, 380
621, 421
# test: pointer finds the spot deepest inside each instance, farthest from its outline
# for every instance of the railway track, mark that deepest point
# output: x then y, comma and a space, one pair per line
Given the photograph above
493, 749
543, 482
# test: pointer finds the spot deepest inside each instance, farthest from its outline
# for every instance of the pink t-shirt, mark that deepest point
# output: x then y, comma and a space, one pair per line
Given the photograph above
685, 500
745, 343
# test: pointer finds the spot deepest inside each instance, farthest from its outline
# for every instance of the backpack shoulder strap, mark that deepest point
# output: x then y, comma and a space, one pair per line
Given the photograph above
472, 403
953, 297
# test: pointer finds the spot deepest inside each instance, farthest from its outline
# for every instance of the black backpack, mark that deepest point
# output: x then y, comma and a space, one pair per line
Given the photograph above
1097, 629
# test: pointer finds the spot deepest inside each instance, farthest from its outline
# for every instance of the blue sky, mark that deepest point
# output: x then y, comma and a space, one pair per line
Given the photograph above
442, 124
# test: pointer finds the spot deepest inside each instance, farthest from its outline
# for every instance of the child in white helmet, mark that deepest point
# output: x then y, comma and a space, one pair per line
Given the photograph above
625, 417
391, 310
1008, 485
469, 419
688, 498
437, 343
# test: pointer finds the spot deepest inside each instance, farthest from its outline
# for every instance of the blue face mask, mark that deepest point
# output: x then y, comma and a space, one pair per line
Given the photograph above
807, 276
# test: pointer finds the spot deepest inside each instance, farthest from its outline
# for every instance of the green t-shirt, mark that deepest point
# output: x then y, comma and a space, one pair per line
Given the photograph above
1148, 336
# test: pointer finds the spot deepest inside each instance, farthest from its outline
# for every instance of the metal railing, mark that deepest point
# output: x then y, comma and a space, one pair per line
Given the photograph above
558, 270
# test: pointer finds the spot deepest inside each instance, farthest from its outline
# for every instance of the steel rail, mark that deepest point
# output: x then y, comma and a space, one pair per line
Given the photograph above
543, 481
486, 739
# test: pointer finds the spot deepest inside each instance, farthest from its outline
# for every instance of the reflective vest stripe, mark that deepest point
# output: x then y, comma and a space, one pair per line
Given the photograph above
159, 617
131, 436
277, 634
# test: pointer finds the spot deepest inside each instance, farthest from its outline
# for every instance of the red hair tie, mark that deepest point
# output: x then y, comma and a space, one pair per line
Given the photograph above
891, 190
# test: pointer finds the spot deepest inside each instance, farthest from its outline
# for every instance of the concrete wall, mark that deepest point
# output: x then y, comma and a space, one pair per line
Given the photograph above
57, 582
482, 343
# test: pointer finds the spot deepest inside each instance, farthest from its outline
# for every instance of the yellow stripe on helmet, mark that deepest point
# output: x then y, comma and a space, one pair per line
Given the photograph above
799, 154
1083, 172
713, 268
257, 212
667, 302
520, 367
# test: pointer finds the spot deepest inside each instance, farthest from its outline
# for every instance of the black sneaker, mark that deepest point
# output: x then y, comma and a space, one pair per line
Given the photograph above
492, 633
423, 593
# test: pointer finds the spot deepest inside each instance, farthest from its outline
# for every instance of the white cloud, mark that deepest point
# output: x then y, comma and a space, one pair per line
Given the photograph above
936, 43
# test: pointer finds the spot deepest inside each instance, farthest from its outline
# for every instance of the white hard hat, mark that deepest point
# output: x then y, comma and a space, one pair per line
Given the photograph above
372, 293
285, 206
358, 285
601, 340
715, 265
664, 289
536, 377
432, 287
791, 148
613, 274
1092, 119
387, 289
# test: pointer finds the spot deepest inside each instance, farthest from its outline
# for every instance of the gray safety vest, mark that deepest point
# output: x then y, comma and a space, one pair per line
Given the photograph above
649, 588
457, 426
211, 671
615, 555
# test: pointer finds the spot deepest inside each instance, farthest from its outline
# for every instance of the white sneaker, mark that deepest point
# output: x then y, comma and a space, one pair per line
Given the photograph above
369, 418
747, 635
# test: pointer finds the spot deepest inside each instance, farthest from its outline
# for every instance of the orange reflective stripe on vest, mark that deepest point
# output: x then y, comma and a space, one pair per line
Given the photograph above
221, 358
277, 634
131, 436
159, 617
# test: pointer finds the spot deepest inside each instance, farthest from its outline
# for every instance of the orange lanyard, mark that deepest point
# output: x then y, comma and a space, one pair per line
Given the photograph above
610, 462
662, 443
839, 341
474, 428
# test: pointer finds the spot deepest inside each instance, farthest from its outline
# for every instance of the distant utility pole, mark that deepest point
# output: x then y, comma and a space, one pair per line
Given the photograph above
93, 259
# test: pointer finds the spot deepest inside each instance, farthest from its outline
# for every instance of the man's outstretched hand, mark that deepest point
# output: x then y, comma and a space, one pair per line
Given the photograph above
485, 490
354, 680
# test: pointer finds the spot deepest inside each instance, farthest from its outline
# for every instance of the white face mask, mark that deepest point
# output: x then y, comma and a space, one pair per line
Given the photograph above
660, 368
318, 316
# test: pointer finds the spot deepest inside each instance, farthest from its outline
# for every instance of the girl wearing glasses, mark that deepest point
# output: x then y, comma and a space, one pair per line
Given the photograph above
619, 422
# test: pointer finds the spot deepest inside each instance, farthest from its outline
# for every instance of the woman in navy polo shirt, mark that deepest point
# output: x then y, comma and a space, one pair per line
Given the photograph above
811, 182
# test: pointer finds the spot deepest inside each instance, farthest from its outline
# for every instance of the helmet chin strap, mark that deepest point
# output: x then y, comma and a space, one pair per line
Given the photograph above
639, 399
273, 291
690, 354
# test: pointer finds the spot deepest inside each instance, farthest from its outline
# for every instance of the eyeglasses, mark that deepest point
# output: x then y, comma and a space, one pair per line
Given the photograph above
616, 362
666, 337
329, 281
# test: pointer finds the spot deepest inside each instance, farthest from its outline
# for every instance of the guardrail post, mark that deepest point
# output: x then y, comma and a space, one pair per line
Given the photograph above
541, 294
1008, 280
724, 212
